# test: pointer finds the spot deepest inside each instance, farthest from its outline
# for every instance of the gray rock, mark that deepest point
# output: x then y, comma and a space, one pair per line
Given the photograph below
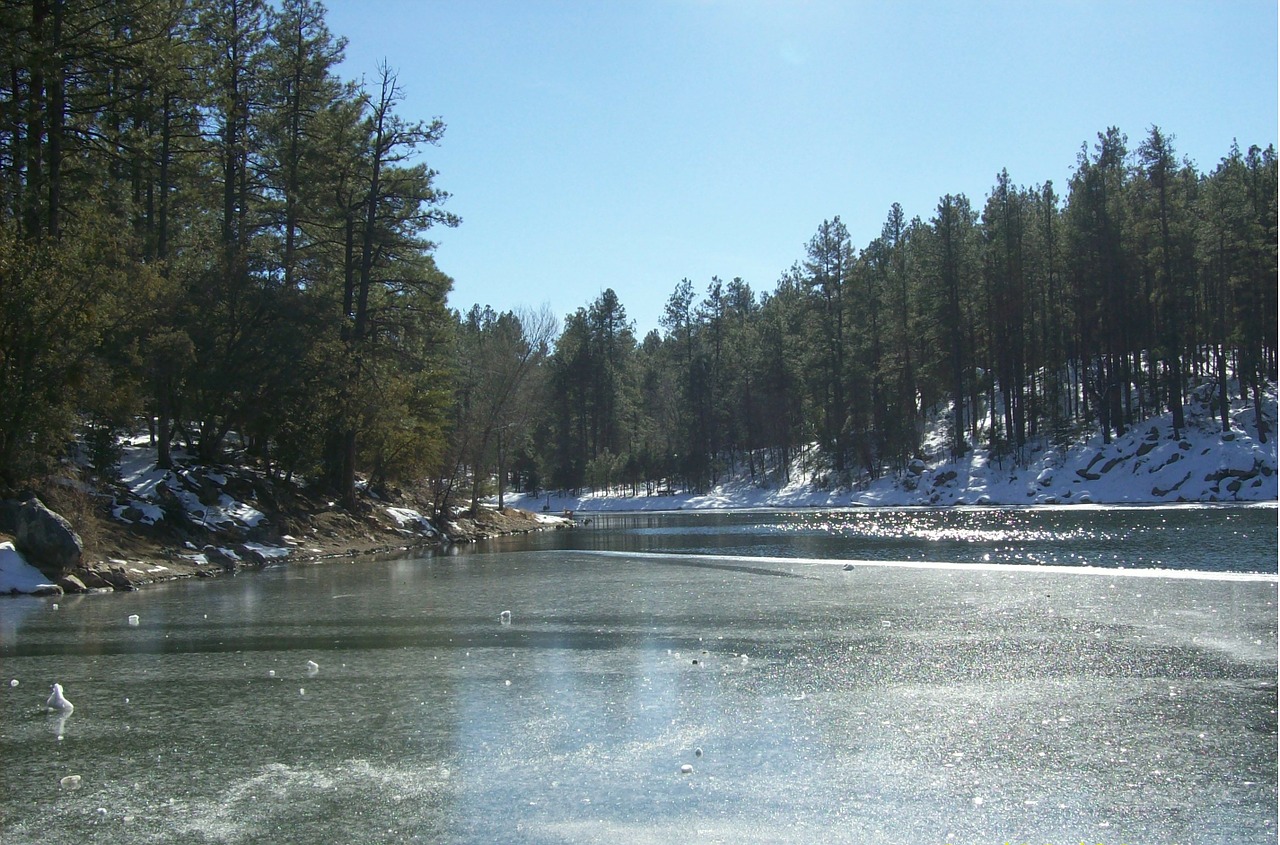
253, 555
9, 515
72, 584
93, 580
47, 540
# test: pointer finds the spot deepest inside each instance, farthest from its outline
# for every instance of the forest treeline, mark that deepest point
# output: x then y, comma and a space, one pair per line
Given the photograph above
205, 228
1029, 320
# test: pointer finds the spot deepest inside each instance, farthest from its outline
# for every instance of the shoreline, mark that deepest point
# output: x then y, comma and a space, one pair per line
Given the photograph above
132, 566
157, 566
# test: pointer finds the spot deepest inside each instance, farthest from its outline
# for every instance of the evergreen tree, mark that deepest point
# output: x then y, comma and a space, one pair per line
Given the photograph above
1169, 262
827, 270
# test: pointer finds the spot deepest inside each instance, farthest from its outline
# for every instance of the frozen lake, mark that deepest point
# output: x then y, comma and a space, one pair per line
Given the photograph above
956, 696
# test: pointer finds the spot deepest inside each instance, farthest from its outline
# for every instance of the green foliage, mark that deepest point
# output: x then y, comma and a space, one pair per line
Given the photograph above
1029, 320
203, 225
65, 305
238, 248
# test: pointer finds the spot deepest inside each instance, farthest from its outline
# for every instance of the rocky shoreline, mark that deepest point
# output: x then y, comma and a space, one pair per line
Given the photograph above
125, 556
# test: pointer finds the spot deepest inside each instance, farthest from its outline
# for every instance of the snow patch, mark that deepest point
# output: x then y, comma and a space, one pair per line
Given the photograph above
18, 576
1143, 466
270, 552
410, 517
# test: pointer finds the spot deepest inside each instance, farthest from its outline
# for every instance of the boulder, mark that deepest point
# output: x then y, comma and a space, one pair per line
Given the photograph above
93, 580
72, 584
9, 515
47, 540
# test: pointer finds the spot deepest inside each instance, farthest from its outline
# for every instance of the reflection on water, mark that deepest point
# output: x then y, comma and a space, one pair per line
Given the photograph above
1236, 539
390, 702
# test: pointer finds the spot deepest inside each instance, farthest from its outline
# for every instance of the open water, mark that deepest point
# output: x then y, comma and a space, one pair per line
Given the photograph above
1049, 676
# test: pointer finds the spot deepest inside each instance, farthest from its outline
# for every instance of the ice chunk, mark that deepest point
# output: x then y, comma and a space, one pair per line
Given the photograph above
686, 769
505, 617
313, 668
70, 782
57, 701
134, 620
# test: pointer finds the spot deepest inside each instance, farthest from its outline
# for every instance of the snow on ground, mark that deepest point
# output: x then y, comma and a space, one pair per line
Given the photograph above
197, 491
268, 552
18, 576
1144, 466
408, 517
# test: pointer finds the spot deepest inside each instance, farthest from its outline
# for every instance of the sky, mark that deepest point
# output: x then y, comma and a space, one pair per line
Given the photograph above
629, 144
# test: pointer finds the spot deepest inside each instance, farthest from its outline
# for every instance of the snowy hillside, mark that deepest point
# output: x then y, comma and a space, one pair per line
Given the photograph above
1144, 466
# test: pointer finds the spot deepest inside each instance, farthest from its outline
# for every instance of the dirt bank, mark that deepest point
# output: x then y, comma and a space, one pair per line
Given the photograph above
124, 552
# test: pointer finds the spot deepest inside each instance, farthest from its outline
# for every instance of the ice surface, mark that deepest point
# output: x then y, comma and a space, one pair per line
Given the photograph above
886, 704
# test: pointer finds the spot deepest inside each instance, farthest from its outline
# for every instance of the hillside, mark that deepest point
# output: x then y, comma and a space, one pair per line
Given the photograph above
201, 521
152, 525
1145, 466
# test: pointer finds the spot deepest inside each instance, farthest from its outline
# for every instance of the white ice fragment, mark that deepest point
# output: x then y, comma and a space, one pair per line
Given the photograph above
271, 673
686, 769
55, 605
505, 617
14, 682
302, 691
57, 701
134, 620
508, 683
70, 782
977, 800
313, 668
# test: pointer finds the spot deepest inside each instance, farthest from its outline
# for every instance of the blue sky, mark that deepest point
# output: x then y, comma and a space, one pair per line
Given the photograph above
632, 144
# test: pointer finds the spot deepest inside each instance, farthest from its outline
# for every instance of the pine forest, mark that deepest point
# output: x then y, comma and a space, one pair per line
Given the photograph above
206, 232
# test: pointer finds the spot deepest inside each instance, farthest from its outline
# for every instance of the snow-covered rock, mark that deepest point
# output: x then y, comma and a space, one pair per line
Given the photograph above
18, 576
